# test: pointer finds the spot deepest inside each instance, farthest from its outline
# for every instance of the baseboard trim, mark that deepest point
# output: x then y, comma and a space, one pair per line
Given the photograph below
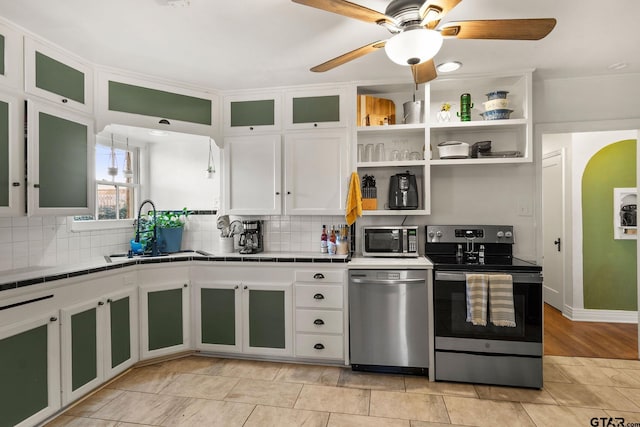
590, 315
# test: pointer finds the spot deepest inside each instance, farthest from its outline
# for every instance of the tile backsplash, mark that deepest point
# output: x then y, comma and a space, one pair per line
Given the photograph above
49, 240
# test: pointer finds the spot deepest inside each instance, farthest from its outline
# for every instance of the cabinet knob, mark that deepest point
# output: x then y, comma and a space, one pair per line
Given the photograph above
185, 285
318, 276
36, 185
109, 301
65, 100
277, 193
315, 125
246, 287
318, 322
318, 296
236, 287
15, 184
100, 302
288, 192
319, 346
250, 127
53, 319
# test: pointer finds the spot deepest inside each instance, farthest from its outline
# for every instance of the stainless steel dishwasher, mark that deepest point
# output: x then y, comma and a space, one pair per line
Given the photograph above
388, 312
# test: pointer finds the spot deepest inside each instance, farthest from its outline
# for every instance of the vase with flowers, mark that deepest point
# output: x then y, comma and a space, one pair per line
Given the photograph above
444, 115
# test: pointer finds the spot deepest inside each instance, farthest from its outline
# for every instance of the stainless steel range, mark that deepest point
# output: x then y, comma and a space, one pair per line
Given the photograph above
466, 350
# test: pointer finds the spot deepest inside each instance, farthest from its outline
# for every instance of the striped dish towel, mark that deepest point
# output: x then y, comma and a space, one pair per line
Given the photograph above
501, 300
477, 299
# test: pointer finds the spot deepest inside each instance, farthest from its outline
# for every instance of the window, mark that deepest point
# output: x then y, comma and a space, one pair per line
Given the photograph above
116, 182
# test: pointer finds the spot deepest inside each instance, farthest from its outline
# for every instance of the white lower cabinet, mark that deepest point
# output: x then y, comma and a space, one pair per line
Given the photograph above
244, 316
320, 315
98, 341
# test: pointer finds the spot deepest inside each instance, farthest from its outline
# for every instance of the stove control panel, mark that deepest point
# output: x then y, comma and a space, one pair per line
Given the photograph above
470, 233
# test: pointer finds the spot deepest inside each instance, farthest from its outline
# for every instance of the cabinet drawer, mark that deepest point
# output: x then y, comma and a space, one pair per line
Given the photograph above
324, 296
319, 276
320, 346
321, 321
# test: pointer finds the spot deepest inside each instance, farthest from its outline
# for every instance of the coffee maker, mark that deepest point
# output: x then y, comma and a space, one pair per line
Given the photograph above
251, 238
403, 191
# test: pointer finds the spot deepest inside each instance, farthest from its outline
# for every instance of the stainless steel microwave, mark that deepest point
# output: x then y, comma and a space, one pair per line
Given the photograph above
390, 241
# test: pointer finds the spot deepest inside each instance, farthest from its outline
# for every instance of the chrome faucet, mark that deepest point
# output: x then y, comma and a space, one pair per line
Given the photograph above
154, 241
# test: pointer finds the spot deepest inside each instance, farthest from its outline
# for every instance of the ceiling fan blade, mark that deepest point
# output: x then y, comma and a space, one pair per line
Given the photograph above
432, 11
424, 72
500, 29
349, 56
348, 9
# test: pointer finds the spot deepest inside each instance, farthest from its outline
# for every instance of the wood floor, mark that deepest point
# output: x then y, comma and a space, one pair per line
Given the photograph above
563, 337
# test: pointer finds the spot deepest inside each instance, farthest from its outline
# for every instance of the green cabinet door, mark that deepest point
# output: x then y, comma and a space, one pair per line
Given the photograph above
218, 316
59, 78
164, 318
252, 113
84, 348
316, 109
120, 330
60, 151
24, 386
267, 318
128, 98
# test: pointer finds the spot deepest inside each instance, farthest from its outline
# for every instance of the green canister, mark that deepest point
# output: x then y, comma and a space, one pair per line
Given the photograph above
465, 107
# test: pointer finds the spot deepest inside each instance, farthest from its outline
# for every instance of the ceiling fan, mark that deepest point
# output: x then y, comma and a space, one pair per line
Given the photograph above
418, 34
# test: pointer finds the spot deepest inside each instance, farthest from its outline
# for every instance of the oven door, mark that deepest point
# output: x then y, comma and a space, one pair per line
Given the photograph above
383, 241
453, 332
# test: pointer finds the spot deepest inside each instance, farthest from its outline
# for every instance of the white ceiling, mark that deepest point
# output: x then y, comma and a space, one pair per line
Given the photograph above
237, 44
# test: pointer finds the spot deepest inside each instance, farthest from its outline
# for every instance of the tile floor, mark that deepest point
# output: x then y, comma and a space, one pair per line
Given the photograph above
204, 391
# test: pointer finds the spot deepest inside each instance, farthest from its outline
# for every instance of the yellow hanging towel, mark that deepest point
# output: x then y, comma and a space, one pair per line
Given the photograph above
354, 199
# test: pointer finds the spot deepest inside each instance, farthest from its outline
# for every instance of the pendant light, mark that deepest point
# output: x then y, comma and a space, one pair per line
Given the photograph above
112, 170
211, 170
127, 171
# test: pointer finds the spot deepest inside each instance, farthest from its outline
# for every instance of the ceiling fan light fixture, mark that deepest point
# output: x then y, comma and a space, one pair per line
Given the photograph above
448, 67
413, 46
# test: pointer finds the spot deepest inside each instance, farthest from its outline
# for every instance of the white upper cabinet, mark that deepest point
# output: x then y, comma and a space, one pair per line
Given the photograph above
252, 175
316, 172
57, 76
316, 108
251, 113
129, 100
11, 63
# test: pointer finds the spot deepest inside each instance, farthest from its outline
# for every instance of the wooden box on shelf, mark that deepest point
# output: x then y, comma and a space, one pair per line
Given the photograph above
373, 111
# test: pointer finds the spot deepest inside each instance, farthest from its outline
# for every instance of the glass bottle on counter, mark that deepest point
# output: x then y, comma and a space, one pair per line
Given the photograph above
343, 245
331, 245
323, 240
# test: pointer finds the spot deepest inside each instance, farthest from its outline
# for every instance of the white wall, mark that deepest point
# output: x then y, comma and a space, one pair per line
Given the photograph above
177, 175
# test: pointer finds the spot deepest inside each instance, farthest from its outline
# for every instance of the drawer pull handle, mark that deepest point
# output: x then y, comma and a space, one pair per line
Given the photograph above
318, 276
318, 322
319, 346
318, 296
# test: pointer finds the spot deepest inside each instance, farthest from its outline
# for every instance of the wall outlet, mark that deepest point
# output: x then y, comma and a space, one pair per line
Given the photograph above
524, 208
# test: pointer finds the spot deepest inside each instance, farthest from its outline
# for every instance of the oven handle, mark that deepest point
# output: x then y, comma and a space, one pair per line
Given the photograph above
460, 276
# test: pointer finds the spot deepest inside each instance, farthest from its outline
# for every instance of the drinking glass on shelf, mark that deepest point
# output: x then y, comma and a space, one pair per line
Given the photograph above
379, 154
395, 156
405, 155
360, 152
414, 155
368, 153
